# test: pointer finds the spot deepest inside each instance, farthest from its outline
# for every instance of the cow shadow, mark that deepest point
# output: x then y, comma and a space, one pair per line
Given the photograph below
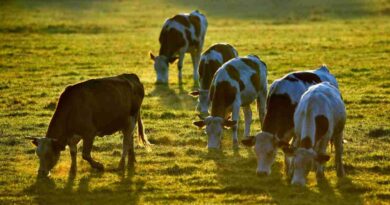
174, 97
87, 191
236, 174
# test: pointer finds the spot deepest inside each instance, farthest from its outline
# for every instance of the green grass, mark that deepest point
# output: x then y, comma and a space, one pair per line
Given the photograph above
47, 45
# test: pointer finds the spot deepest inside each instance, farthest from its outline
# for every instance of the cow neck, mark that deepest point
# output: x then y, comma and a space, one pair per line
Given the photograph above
223, 97
58, 123
269, 127
218, 110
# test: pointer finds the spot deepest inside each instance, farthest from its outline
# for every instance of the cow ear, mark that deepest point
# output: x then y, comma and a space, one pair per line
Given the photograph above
249, 141
152, 56
34, 140
173, 59
229, 123
194, 93
199, 124
322, 158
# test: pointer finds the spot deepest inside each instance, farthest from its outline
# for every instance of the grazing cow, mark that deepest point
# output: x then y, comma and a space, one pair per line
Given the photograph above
183, 33
319, 118
236, 84
92, 108
211, 60
278, 125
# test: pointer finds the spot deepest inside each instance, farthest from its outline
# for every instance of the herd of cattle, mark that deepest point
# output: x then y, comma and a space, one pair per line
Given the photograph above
301, 114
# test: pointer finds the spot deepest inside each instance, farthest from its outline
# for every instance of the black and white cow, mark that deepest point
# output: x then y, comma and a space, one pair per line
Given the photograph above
236, 84
213, 58
319, 118
183, 33
278, 125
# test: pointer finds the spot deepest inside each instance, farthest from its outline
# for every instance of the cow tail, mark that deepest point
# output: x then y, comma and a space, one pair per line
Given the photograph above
142, 139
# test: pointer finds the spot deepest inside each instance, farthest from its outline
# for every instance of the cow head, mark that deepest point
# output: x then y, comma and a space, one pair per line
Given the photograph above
161, 65
203, 101
214, 129
266, 145
302, 162
48, 153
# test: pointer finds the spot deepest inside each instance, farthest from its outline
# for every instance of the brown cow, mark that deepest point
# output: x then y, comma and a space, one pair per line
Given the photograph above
92, 108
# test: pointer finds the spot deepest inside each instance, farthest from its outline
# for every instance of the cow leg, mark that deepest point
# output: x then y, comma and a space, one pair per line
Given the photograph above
128, 144
195, 56
287, 167
321, 150
287, 159
261, 107
235, 116
131, 156
338, 142
180, 67
248, 120
73, 152
87, 148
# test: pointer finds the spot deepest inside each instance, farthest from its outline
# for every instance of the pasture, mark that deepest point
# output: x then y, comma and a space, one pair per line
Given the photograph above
47, 45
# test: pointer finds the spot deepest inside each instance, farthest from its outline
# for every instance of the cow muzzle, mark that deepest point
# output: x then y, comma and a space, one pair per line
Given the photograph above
298, 182
161, 81
262, 173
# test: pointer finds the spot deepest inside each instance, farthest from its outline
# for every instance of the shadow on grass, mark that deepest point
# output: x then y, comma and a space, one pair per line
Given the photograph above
237, 177
314, 10
124, 191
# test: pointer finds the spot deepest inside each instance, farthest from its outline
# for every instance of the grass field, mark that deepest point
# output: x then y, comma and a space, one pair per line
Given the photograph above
47, 45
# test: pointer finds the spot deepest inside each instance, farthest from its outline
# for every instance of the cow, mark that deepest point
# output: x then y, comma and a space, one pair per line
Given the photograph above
278, 125
211, 60
236, 84
92, 108
319, 119
182, 33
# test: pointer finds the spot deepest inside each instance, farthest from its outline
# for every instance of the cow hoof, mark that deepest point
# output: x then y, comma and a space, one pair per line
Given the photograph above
98, 166
235, 146
320, 175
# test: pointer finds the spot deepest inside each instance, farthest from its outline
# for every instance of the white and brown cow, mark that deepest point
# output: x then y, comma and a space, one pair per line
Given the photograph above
319, 118
183, 33
278, 125
92, 108
213, 58
236, 84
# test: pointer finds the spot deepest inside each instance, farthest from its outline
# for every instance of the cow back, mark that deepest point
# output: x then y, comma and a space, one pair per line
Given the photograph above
211, 60
285, 94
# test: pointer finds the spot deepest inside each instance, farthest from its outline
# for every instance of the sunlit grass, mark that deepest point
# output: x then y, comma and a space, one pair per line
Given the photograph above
47, 45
